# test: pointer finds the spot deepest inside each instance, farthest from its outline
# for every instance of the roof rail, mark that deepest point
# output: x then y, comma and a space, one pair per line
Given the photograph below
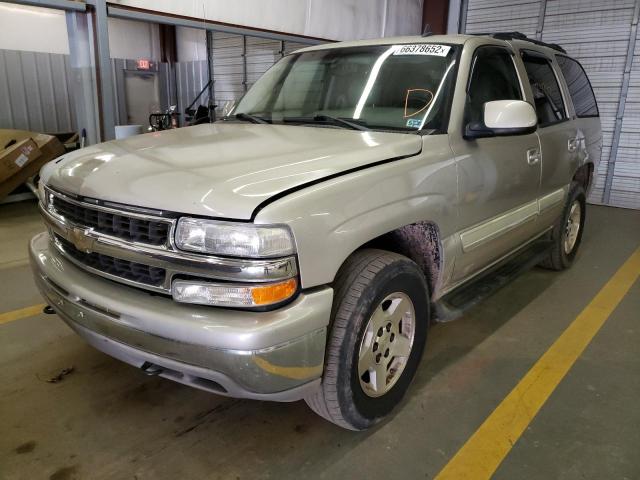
520, 36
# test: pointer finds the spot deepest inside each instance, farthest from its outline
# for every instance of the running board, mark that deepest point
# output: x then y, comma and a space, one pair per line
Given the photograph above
454, 304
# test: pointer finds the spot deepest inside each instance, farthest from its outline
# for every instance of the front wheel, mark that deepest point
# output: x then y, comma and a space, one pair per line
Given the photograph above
379, 327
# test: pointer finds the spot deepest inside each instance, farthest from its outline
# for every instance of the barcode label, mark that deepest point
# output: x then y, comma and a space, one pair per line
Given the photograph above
423, 49
21, 160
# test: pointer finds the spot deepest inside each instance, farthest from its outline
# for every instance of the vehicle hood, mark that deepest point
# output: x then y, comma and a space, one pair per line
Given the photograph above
222, 169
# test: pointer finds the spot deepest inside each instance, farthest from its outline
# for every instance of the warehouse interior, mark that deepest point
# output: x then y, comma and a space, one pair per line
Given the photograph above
538, 380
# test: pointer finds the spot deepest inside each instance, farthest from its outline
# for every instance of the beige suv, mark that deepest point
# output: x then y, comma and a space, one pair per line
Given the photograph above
300, 247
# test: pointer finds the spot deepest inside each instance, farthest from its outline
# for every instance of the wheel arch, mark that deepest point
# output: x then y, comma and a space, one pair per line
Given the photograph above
421, 242
584, 176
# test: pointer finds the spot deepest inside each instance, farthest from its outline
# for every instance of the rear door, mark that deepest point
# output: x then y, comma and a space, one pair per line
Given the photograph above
585, 114
499, 177
559, 139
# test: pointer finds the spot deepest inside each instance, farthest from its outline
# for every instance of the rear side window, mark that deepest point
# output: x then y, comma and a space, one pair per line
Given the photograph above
584, 101
546, 91
493, 77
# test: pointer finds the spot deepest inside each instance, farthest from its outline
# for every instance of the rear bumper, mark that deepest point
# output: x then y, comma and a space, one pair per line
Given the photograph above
274, 355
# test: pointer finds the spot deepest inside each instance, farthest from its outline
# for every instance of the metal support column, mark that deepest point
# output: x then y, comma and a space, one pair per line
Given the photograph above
244, 63
281, 52
106, 96
462, 25
82, 81
453, 17
211, 90
541, 14
611, 166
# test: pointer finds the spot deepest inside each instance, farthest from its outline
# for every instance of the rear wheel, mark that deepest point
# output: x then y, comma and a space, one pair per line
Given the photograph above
567, 234
379, 327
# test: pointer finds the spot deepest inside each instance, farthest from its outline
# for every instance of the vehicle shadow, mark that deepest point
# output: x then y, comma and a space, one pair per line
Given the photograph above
449, 342
250, 439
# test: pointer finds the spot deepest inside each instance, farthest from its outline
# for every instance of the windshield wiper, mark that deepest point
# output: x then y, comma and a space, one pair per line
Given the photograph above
247, 117
340, 122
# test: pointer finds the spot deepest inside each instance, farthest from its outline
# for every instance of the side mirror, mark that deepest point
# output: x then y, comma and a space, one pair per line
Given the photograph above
502, 118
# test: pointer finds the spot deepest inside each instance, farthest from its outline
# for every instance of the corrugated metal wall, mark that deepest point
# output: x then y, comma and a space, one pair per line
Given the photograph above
191, 77
38, 96
236, 61
35, 94
598, 33
261, 55
502, 16
36, 91
228, 67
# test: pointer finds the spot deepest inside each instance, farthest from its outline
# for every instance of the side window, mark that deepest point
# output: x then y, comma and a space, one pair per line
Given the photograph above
584, 101
493, 77
546, 91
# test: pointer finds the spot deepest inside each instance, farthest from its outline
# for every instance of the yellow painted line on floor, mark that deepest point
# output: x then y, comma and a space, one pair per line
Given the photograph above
21, 313
482, 454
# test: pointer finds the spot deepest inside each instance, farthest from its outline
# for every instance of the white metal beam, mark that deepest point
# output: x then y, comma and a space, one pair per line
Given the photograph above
57, 4
149, 16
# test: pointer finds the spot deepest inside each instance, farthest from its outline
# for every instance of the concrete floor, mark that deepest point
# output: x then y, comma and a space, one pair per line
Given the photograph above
106, 420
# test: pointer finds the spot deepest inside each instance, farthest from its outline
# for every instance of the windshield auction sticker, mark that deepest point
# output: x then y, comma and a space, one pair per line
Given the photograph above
423, 49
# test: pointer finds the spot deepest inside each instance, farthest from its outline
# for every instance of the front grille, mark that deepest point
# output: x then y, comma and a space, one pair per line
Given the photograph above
135, 272
117, 225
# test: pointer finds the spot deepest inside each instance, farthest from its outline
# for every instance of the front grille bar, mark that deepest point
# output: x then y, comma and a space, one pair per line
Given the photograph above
131, 258
129, 226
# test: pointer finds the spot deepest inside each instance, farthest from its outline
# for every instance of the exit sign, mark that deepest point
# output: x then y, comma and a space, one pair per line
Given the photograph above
143, 64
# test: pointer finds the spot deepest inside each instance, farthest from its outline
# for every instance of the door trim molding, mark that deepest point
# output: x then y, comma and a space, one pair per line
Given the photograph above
552, 199
488, 230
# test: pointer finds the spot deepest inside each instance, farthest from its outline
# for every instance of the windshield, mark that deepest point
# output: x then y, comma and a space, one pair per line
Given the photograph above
387, 87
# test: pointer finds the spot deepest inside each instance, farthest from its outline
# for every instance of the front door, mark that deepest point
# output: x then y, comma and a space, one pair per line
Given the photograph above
499, 177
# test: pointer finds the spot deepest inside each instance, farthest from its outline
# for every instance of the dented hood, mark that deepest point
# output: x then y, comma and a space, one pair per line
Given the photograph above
219, 170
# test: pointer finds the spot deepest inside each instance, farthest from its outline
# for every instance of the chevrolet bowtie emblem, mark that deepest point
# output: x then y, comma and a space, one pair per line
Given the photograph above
80, 238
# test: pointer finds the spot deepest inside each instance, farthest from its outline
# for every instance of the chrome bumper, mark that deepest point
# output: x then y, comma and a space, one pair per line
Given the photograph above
275, 355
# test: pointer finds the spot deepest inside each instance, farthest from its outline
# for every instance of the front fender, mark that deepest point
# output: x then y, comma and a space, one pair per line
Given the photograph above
332, 219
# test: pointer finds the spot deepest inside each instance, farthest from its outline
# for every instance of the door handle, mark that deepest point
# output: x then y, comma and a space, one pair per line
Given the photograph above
533, 156
572, 144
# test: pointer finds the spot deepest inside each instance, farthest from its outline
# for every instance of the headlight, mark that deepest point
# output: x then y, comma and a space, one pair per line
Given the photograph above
231, 295
233, 239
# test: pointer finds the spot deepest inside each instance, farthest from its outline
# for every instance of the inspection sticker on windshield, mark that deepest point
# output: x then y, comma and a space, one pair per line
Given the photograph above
423, 49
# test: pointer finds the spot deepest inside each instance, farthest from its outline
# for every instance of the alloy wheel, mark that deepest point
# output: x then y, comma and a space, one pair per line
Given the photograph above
386, 344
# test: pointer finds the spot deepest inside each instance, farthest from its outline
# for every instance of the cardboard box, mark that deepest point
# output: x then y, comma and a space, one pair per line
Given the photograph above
14, 168
49, 145
16, 157
21, 177
70, 140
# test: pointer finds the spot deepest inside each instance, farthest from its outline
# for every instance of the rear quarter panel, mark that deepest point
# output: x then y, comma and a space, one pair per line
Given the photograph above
591, 130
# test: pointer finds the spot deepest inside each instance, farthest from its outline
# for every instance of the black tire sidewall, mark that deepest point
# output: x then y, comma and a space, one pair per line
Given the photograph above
576, 193
364, 410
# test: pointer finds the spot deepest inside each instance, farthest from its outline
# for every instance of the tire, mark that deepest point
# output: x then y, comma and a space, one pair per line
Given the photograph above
565, 239
380, 282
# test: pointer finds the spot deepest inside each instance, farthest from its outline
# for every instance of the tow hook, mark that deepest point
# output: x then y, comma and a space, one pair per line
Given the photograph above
150, 369
48, 310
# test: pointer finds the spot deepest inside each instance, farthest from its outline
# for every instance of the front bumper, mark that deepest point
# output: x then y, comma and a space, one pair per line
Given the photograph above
277, 355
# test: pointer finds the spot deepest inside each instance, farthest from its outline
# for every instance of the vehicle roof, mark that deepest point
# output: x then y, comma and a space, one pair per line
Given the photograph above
452, 39
447, 39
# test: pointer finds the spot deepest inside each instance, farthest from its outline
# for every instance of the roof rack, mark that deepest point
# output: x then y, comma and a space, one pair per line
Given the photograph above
520, 36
